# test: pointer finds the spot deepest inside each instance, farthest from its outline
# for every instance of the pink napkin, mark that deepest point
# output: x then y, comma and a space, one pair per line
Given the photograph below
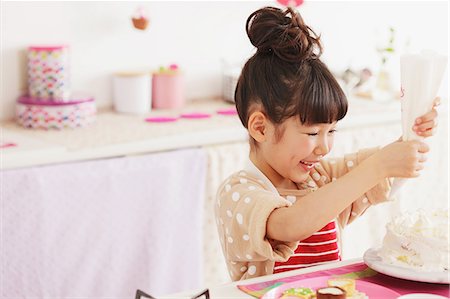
161, 119
6, 144
195, 115
191, 115
229, 111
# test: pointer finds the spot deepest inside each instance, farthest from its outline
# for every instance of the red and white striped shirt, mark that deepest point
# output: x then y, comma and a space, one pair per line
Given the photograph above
321, 247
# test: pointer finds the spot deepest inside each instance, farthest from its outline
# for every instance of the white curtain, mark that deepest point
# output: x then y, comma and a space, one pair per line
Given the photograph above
104, 228
223, 160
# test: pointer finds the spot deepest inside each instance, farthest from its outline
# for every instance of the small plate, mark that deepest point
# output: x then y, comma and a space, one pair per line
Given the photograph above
375, 262
421, 296
373, 291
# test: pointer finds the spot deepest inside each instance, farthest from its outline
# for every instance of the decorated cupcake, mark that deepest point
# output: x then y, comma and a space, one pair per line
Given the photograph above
140, 19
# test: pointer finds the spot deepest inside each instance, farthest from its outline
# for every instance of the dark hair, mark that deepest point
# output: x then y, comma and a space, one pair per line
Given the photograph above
285, 77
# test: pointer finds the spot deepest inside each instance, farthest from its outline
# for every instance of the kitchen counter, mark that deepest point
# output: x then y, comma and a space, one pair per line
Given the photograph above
116, 134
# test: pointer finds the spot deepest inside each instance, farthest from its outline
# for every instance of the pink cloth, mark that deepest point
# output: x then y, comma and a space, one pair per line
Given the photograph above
358, 271
104, 228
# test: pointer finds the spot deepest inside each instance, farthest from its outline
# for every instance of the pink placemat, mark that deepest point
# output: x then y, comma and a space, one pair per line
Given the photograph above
5, 144
161, 119
358, 271
372, 290
195, 115
229, 111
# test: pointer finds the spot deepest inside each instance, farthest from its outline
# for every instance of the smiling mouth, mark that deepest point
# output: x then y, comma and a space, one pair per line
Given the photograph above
308, 165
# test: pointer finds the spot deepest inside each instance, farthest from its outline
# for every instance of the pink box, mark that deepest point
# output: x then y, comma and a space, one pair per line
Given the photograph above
41, 114
49, 73
168, 90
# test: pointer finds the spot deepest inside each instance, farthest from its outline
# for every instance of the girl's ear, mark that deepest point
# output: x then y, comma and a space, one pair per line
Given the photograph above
257, 126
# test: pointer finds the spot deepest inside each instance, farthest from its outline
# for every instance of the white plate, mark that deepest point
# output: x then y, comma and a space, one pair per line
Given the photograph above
421, 296
372, 260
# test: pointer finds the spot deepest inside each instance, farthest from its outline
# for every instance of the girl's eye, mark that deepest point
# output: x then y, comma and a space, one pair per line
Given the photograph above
331, 132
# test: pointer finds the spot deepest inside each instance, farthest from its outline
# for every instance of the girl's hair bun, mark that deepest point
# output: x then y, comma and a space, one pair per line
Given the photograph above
272, 30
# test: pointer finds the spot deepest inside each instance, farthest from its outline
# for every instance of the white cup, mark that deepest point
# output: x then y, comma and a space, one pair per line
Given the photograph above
132, 92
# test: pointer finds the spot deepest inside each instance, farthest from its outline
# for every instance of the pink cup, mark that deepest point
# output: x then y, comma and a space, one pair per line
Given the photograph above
168, 90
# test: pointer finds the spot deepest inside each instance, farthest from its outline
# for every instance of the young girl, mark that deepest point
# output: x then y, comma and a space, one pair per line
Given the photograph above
282, 211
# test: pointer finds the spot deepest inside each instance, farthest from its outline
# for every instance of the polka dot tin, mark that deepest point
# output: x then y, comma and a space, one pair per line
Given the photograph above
48, 73
40, 114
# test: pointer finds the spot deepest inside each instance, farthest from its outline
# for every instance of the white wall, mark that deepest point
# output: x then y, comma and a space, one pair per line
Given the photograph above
198, 36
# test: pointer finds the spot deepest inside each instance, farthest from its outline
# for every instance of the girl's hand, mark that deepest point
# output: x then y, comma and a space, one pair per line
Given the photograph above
402, 159
425, 126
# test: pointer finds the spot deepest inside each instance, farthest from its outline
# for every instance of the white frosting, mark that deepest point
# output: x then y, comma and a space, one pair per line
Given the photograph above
418, 240
331, 290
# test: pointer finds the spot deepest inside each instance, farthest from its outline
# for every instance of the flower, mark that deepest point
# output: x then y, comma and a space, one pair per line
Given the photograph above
389, 49
291, 3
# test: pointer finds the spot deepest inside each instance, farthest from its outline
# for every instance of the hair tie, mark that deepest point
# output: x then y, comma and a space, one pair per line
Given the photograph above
265, 50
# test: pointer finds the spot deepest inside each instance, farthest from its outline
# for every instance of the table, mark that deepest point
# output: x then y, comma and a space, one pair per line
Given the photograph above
354, 267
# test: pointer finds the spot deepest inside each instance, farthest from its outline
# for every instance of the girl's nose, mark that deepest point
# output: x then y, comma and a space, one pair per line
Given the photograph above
322, 149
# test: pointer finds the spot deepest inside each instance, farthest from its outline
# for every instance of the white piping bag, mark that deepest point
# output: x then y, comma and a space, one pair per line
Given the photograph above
420, 76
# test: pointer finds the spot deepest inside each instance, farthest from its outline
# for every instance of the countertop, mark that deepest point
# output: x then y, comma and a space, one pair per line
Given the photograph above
115, 134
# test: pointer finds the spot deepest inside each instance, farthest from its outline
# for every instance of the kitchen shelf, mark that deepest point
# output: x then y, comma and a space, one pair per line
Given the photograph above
115, 134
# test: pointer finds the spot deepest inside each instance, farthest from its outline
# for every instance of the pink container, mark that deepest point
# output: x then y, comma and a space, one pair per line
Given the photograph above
168, 90
49, 73
35, 113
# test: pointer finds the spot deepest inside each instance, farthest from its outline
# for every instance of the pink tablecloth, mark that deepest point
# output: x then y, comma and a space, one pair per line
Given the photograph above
356, 271
102, 229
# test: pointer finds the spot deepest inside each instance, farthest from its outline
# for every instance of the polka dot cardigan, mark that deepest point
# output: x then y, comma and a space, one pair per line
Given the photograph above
247, 198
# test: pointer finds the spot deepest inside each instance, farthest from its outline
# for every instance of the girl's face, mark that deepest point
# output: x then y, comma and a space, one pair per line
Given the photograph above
291, 158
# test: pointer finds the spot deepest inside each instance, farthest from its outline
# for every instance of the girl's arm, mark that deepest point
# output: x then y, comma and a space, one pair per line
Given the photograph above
311, 212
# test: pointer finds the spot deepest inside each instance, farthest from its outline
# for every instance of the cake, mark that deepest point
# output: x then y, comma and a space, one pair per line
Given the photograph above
347, 284
349, 287
330, 293
337, 288
298, 293
418, 240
